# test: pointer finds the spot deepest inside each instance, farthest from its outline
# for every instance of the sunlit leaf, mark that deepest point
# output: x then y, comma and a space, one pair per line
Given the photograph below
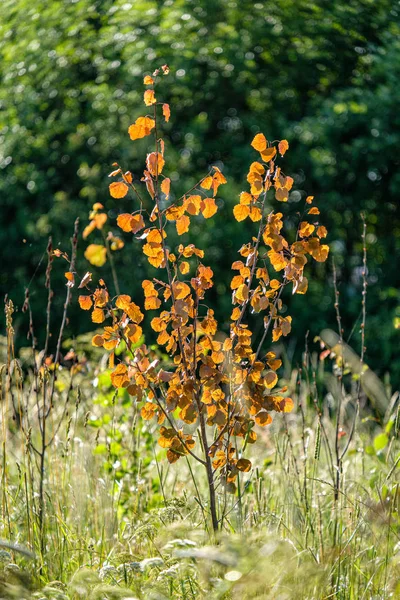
96, 254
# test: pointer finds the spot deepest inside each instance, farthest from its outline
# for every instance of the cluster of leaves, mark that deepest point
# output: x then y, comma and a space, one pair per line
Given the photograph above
216, 380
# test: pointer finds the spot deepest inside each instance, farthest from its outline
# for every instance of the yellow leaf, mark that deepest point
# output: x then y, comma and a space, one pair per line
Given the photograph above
306, 229
246, 198
322, 232
259, 142
255, 214
148, 80
210, 208
206, 183
96, 254
141, 128
242, 293
313, 211
118, 189
241, 211
268, 154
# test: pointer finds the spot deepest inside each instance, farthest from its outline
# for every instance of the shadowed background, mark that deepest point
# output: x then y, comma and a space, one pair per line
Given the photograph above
322, 74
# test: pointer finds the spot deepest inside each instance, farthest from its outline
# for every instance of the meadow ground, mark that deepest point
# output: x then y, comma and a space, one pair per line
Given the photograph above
118, 521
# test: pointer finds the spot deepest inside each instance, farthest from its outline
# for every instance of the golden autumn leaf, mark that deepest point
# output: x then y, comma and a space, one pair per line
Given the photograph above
166, 112
85, 302
282, 194
98, 315
245, 198
206, 183
165, 186
119, 377
268, 154
313, 211
255, 214
124, 222
259, 142
180, 289
309, 199
149, 97
244, 465
147, 80
263, 418
193, 204
137, 223
210, 208
182, 224
241, 212
118, 189
184, 267
242, 293
155, 163
283, 146
97, 341
96, 254
306, 229
322, 232
141, 128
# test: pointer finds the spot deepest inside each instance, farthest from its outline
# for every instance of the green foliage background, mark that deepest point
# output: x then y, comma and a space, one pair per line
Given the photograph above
322, 74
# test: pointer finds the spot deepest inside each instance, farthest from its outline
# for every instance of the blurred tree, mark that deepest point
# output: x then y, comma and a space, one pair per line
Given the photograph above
322, 74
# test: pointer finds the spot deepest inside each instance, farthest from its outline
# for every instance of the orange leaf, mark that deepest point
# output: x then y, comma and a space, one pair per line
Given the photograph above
306, 229
322, 232
182, 224
259, 142
243, 465
141, 128
283, 146
98, 315
165, 186
85, 302
184, 267
313, 211
268, 154
166, 112
97, 341
149, 97
118, 189
155, 163
181, 290
241, 211
124, 222
148, 80
137, 223
119, 378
